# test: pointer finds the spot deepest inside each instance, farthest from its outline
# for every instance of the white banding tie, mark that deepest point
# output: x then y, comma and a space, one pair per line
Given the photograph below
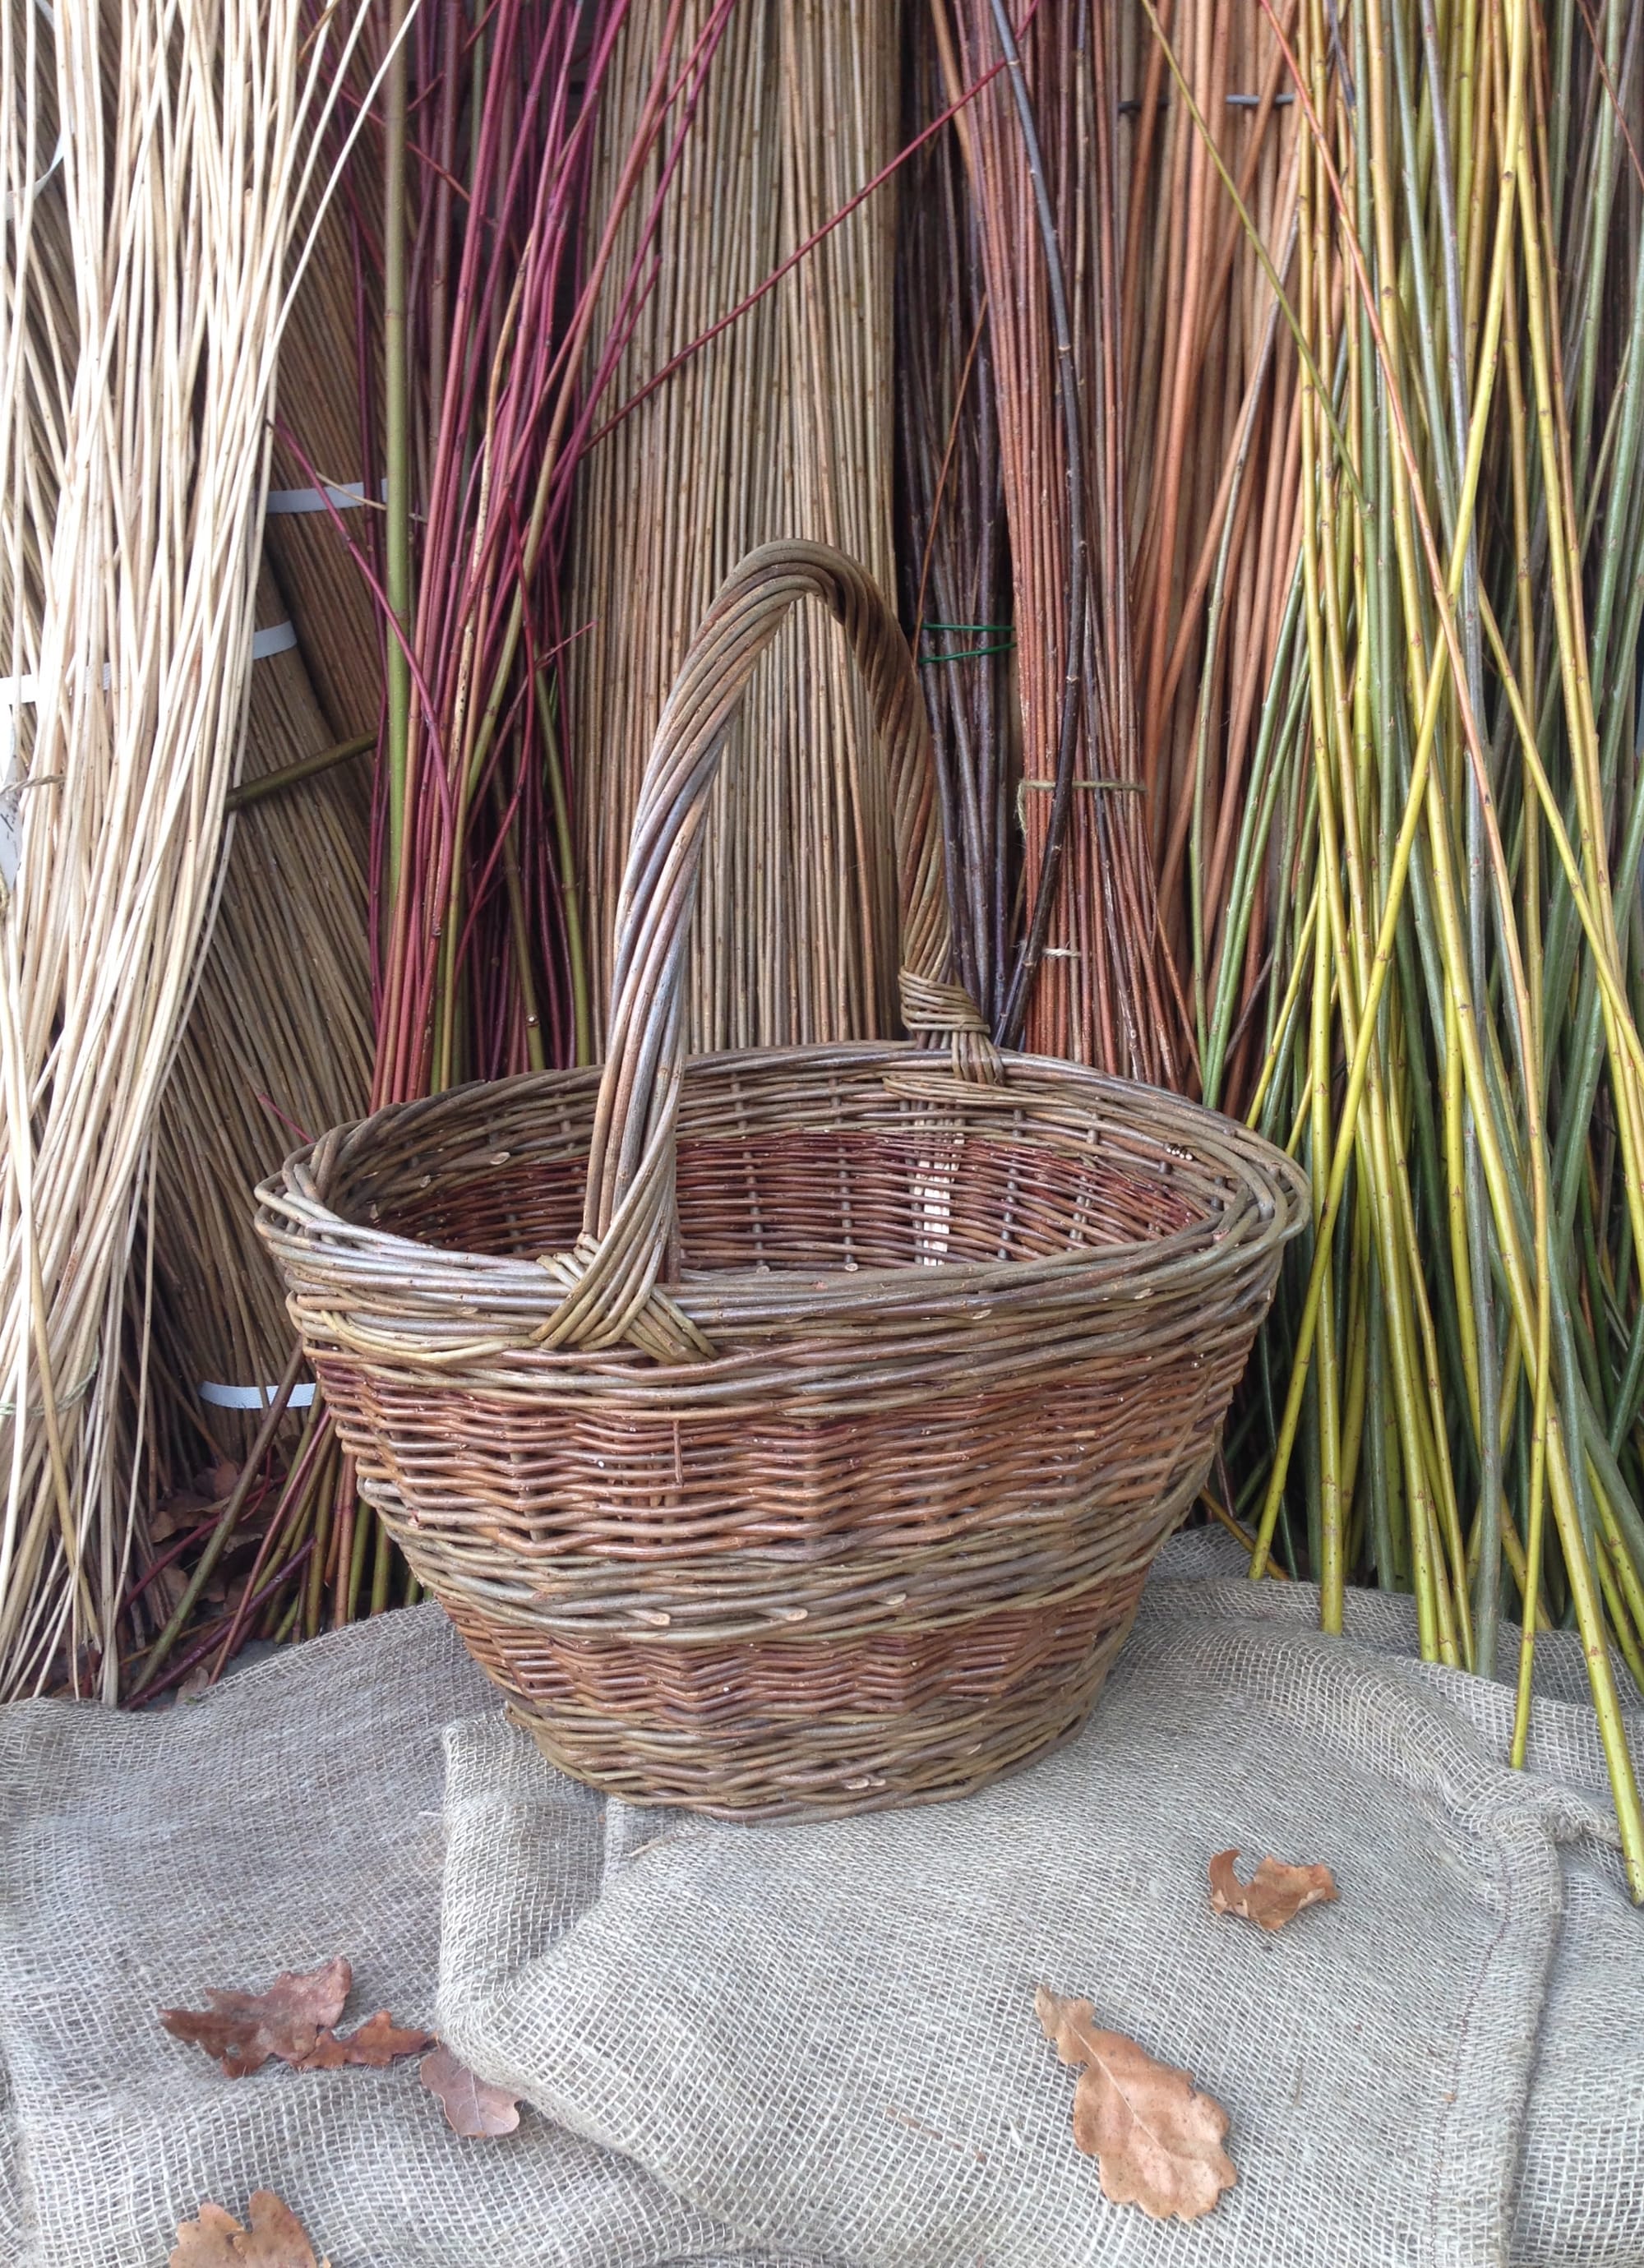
334, 496
9, 201
279, 637
253, 1397
57, 156
340, 495
13, 692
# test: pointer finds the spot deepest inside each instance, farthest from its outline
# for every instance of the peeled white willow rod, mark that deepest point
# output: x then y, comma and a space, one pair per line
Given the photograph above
134, 443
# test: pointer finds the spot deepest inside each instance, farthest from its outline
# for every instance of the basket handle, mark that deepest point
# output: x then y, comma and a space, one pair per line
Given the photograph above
611, 1280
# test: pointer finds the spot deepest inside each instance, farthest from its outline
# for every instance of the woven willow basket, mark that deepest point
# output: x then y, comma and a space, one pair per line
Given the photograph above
788, 1431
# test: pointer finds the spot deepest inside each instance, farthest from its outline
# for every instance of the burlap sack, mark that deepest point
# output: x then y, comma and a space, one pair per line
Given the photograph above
292, 1815
825, 2034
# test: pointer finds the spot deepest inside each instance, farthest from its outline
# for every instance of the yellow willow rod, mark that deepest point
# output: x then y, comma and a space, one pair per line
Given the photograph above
1410, 821
1445, 1619
1625, 1030
1312, 212
1588, 1606
1292, 992
1397, 876
1461, 1264
1445, 1515
1572, 669
1533, 1540
1532, 1611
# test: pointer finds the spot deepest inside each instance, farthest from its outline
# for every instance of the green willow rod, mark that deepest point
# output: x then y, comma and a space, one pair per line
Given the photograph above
1579, 1567
1410, 824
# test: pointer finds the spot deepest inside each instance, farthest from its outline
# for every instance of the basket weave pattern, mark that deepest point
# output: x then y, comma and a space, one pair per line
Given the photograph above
785, 1430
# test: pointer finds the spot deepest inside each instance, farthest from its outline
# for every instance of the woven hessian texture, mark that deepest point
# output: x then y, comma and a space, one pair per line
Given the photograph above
292, 1815
824, 2033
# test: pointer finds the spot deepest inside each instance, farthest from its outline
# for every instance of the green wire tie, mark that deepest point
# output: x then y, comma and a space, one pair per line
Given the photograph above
972, 629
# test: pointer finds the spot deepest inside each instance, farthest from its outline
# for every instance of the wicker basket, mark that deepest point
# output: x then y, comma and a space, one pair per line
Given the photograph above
856, 1510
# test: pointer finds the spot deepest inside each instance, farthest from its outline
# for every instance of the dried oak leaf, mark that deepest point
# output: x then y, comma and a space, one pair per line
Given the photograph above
1275, 1892
376, 2043
183, 1508
472, 2105
274, 2238
1156, 2140
244, 2030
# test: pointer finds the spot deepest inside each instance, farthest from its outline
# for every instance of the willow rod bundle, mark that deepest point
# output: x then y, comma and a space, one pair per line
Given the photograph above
954, 551
499, 339
1452, 1038
1212, 447
135, 446
325, 475
781, 426
1092, 978
279, 1037
278, 1040
481, 946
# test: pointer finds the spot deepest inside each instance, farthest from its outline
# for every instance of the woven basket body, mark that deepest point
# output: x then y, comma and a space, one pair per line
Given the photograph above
789, 1431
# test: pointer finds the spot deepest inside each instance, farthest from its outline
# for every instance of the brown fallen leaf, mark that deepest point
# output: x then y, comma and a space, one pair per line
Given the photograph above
1275, 1892
274, 2238
376, 2043
183, 1508
244, 2030
1156, 2140
473, 2106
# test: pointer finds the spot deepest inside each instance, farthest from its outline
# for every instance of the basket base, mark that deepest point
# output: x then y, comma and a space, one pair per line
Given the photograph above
831, 1768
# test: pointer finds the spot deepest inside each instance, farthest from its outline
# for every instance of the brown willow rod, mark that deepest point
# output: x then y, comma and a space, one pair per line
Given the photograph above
1032, 947
225, 1528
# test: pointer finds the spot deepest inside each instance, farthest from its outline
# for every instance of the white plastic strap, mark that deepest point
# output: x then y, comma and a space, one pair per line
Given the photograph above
57, 156
253, 1397
279, 637
61, 150
13, 690
341, 496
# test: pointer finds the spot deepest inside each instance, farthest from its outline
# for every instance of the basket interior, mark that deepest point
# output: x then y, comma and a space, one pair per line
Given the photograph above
843, 1177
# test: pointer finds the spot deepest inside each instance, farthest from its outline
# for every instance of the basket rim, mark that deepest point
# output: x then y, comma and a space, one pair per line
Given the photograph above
393, 1276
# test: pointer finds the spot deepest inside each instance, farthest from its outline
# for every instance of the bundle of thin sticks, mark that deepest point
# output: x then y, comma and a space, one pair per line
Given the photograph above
1445, 795
1092, 977
134, 439
499, 337
781, 426
954, 551
326, 479
278, 1042
1212, 450
497, 369
277, 1046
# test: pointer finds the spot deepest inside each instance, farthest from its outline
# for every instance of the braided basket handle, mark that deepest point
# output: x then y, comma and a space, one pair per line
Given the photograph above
611, 1280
